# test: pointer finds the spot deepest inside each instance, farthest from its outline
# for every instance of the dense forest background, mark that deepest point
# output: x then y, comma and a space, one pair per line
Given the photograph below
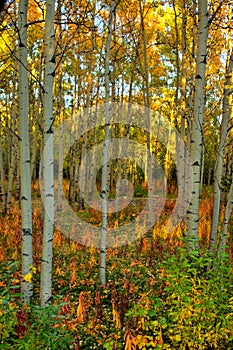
116, 171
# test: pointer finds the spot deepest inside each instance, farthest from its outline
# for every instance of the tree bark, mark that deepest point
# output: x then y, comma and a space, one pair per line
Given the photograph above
227, 215
48, 161
2, 176
147, 112
196, 136
104, 182
218, 171
24, 147
37, 121
12, 149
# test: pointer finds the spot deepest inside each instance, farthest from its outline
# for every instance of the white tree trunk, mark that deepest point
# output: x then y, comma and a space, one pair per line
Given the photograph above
148, 121
2, 175
218, 171
48, 161
196, 136
61, 147
60, 107
181, 163
13, 146
228, 210
24, 145
104, 182
36, 117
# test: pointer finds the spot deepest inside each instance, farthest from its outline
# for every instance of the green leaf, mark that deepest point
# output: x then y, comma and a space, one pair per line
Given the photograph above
151, 312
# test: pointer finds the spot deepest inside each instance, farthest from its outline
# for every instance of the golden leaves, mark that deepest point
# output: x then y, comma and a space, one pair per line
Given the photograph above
81, 310
28, 277
129, 340
116, 316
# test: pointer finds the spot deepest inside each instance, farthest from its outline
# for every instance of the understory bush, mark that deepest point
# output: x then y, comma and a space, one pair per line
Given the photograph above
183, 301
194, 309
25, 327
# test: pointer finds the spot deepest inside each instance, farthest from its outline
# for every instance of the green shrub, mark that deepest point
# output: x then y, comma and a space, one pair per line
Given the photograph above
194, 309
25, 326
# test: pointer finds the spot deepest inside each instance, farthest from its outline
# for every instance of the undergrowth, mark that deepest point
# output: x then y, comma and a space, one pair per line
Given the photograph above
158, 296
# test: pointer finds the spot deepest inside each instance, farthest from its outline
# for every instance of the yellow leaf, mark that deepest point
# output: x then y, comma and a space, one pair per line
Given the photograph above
33, 269
128, 340
116, 316
15, 255
28, 277
178, 337
81, 310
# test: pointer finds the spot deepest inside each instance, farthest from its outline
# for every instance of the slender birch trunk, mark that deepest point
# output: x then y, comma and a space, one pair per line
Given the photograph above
2, 175
104, 182
180, 88
147, 112
218, 171
202, 167
61, 147
60, 107
71, 175
24, 146
227, 215
181, 157
12, 149
17, 178
196, 136
48, 161
36, 132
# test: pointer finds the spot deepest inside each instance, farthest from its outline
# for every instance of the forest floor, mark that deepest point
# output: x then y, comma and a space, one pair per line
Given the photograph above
157, 296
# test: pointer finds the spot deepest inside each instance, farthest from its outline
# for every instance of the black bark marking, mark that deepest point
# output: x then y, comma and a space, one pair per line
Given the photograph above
196, 163
204, 59
53, 59
50, 130
103, 193
26, 232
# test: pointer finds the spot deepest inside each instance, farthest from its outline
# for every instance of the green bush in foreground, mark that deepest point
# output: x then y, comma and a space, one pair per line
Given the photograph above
25, 326
178, 303
195, 309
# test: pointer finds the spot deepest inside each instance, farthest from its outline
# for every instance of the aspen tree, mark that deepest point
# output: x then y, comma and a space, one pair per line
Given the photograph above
218, 172
24, 145
48, 161
60, 107
147, 112
36, 117
2, 175
13, 148
104, 182
227, 215
196, 132
183, 86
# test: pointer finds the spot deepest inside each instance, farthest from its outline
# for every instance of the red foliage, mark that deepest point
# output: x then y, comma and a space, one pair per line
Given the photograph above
23, 323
